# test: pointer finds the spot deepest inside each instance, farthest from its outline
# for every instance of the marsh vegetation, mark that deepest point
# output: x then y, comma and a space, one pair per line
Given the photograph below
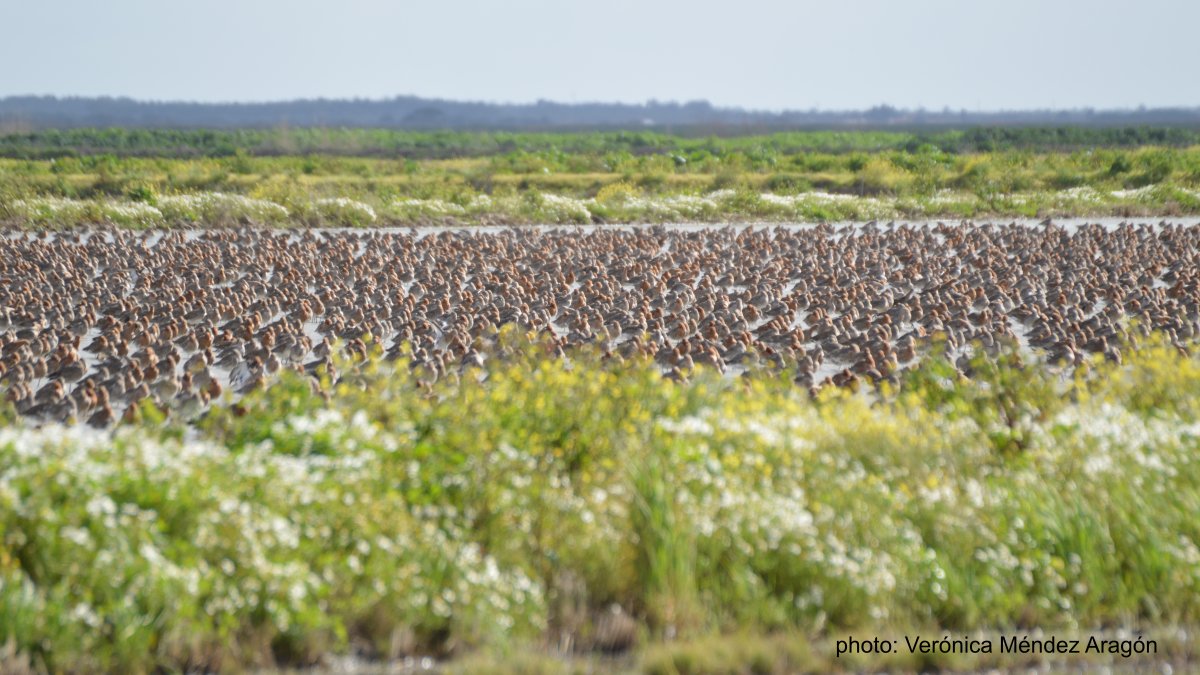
359, 177
577, 507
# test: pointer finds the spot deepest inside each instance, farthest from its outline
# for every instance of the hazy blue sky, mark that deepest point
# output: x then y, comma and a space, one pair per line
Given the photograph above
975, 54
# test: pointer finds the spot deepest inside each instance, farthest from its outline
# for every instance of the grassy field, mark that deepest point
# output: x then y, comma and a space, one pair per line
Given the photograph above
358, 177
569, 507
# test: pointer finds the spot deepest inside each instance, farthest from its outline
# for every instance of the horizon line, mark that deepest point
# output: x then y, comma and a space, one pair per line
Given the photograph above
883, 106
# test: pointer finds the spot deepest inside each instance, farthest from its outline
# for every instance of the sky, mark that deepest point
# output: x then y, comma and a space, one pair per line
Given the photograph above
757, 54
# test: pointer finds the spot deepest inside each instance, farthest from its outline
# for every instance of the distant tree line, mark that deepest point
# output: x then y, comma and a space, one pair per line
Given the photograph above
32, 113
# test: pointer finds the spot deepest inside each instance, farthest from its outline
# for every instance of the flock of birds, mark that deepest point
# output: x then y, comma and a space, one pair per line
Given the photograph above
93, 322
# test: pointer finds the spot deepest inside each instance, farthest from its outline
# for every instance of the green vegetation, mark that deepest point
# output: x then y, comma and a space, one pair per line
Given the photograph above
599, 508
610, 185
449, 144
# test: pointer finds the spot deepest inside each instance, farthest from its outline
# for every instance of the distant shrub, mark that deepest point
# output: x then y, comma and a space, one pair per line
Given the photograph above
879, 176
617, 194
344, 212
652, 182
784, 183
1152, 167
141, 193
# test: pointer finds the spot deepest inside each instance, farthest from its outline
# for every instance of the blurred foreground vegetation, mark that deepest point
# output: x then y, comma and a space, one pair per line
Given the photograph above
549, 506
140, 178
